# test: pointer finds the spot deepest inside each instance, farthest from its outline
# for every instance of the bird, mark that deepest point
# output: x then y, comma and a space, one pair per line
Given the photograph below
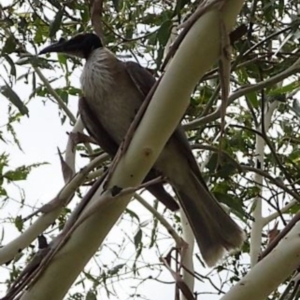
113, 90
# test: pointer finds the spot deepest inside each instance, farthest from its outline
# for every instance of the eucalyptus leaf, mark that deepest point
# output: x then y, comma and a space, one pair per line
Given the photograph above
56, 24
13, 70
13, 97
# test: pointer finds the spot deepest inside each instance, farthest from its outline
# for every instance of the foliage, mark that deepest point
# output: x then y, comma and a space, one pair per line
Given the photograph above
140, 30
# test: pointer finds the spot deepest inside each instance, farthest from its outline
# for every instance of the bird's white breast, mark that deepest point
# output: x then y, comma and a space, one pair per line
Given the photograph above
96, 77
110, 92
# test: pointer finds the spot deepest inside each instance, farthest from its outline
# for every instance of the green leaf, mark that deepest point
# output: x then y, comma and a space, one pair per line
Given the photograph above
10, 45
115, 270
285, 89
63, 94
11, 130
132, 214
252, 97
163, 32
56, 24
20, 173
62, 59
91, 296
9, 93
34, 61
138, 239
3, 161
90, 277
117, 4
2, 191
13, 70
85, 15
19, 223
16, 175
162, 37
233, 202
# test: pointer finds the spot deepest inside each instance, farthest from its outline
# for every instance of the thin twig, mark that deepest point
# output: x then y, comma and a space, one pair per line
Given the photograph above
280, 236
96, 17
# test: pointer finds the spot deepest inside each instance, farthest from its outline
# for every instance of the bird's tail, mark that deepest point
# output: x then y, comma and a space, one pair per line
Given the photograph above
214, 229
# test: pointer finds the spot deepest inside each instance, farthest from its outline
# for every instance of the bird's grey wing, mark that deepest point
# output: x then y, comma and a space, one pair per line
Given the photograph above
184, 145
213, 228
144, 82
95, 128
142, 78
107, 143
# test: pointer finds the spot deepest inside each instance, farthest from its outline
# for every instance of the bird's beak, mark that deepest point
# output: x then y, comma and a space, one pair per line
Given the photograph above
60, 47
63, 46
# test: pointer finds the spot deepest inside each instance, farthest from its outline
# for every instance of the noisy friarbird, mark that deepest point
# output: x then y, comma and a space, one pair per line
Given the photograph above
113, 92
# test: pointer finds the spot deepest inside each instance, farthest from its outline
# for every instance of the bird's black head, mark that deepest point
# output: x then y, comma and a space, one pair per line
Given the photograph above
82, 45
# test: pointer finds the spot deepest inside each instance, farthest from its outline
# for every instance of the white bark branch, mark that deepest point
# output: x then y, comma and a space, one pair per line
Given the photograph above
269, 273
258, 223
276, 214
70, 152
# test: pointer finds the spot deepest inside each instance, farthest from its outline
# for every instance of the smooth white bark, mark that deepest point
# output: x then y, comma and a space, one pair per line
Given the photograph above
259, 222
188, 254
70, 154
269, 273
198, 52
